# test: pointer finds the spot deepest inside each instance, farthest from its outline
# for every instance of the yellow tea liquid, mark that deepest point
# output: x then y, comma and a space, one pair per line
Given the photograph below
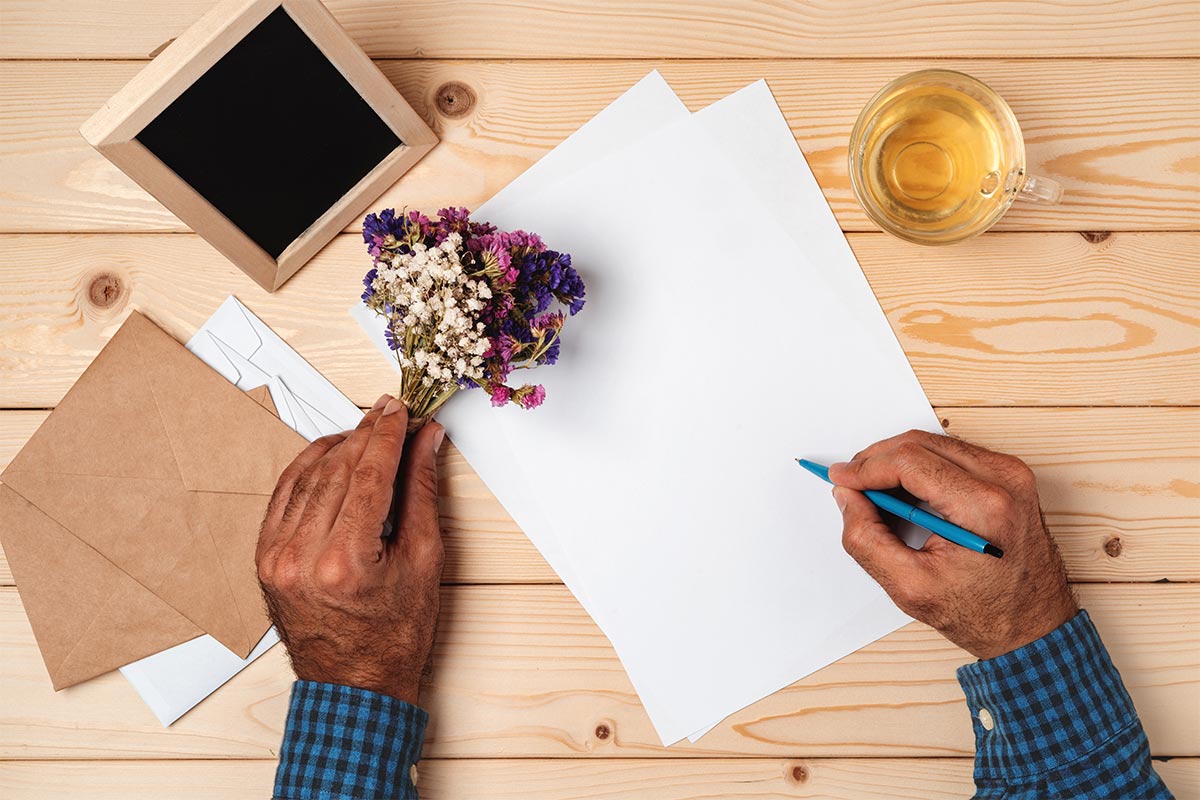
934, 161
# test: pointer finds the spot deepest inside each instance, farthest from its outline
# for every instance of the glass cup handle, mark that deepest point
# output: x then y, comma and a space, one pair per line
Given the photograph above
1040, 190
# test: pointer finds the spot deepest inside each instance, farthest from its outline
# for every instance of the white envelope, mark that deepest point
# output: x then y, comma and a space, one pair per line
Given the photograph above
249, 354
241, 347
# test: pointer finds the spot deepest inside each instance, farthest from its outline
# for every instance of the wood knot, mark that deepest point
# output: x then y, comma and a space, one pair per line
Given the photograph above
945, 422
1095, 237
105, 290
454, 99
799, 773
1113, 547
602, 732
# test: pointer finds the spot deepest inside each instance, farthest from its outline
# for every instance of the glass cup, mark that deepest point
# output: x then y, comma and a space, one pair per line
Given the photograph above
937, 157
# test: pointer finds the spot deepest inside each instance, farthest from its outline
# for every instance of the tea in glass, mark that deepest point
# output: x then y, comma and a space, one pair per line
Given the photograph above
937, 157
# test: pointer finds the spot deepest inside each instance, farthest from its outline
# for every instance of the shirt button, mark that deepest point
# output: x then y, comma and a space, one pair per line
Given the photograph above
412, 774
985, 719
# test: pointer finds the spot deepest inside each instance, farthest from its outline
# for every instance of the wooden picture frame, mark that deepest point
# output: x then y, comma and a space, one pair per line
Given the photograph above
113, 130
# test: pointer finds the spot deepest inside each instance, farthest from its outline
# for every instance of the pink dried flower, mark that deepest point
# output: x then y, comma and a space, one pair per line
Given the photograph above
530, 397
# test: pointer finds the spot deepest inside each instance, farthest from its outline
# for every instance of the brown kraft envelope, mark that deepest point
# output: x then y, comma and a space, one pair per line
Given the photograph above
130, 517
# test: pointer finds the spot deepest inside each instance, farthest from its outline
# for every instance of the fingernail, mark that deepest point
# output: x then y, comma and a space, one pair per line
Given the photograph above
381, 402
837, 465
437, 439
392, 406
840, 498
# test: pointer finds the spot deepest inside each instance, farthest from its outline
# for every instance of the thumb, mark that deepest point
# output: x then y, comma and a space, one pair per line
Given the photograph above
418, 517
870, 542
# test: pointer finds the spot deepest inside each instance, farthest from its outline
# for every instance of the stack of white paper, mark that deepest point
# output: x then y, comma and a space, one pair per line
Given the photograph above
728, 330
241, 347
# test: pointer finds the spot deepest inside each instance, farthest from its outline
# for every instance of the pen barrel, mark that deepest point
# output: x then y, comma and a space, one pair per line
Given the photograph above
948, 530
919, 516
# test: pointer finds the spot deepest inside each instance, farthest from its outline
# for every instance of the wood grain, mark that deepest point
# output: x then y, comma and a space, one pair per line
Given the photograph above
1120, 488
988, 322
1122, 137
630, 29
547, 779
522, 672
1007, 319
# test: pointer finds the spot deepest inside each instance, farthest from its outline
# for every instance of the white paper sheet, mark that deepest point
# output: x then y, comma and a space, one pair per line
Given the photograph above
249, 354
712, 351
646, 106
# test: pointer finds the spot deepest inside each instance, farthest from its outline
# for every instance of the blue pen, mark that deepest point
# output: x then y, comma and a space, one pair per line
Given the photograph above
918, 516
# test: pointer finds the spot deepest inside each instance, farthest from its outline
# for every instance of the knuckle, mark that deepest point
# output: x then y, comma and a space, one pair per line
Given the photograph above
854, 542
263, 565
284, 486
996, 503
429, 550
909, 454
1022, 475
322, 487
426, 482
369, 473
326, 442
850, 539
285, 575
336, 472
334, 572
268, 572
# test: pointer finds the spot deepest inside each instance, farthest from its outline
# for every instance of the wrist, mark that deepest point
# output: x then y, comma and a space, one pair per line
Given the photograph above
400, 685
1031, 626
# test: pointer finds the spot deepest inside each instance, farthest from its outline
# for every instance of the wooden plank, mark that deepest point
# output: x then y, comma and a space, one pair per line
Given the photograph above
1119, 488
1089, 323
631, 29
547, 779
1006, 319
523, 672
1122, 137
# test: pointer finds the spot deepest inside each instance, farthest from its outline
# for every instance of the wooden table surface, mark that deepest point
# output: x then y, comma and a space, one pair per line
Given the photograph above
1069, 336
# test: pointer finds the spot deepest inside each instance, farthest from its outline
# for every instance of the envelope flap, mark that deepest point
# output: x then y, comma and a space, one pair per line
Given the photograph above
106, 425
262, 396
88, 616
222, 440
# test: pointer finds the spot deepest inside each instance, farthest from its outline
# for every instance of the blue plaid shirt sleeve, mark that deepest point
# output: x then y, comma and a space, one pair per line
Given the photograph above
342, 742
1053, 719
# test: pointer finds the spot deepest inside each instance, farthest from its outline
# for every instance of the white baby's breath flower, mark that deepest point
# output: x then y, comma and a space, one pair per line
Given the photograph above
433, 305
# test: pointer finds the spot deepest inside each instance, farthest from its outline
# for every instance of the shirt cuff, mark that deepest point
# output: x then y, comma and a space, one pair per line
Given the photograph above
1045, 705
344, 742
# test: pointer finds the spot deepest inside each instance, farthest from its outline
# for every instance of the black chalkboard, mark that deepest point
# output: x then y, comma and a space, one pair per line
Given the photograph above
272, 134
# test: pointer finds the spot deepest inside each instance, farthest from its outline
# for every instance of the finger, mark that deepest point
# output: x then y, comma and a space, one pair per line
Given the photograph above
976, 460
1008, 472
418, 522
271, 527
368, 496
957, 495
356, 441
331, 482
870, 542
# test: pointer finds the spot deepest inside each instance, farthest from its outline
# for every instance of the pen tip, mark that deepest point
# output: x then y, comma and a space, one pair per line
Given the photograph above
992, 550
